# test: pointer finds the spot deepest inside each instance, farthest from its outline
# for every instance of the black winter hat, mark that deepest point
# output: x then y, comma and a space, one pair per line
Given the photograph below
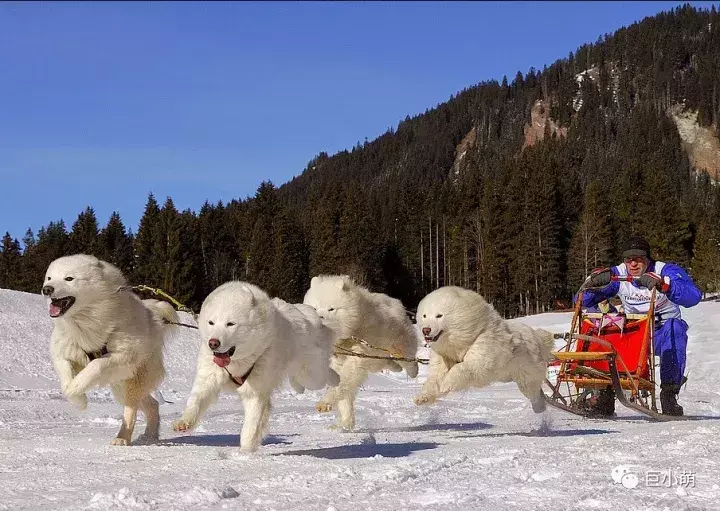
636, 246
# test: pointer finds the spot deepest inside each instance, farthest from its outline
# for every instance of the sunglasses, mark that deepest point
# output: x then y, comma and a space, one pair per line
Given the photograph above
635, 259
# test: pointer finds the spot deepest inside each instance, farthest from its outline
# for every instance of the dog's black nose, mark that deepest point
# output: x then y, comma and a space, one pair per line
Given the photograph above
426, 331
214, 344
48, 290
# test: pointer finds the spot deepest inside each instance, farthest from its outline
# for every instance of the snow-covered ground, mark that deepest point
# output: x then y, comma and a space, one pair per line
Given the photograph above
483, 449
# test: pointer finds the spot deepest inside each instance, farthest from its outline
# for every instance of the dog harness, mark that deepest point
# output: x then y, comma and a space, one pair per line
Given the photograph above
242, 379
98, 354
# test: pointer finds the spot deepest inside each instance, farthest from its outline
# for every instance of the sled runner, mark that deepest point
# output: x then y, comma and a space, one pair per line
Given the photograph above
606, 351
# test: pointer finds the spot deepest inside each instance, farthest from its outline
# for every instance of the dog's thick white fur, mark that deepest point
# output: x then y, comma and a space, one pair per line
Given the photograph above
91, 313
472, 346
245, 334
353, 311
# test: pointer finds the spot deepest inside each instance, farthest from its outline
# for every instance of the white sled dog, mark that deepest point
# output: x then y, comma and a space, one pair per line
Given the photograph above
472, 346
249, 343
353, 311
104, 335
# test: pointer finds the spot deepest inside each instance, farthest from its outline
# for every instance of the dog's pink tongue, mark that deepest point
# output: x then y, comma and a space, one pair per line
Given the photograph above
222, 360
54, 311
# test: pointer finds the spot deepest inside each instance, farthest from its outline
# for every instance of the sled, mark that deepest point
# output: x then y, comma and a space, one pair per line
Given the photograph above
606, 350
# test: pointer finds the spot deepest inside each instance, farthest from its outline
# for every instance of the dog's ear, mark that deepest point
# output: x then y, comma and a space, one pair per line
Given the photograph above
110, 272
344, 282
253, 300
315, 281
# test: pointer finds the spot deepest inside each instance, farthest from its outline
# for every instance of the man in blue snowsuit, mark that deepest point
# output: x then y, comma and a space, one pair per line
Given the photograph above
674, 288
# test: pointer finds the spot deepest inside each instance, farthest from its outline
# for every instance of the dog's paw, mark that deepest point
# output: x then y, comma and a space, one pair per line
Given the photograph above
296, 386
181, 426
424, 399
119, 441
75, 388
538, 405
78, 401
448, 387
412, 370
323, 407
393, 367
249, 449
347, 428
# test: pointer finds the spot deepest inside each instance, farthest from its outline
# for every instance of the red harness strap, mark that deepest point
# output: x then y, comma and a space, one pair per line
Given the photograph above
242, 379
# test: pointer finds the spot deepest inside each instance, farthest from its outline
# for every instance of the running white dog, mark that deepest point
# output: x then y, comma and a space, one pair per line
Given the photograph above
249, 344
104, 335
355, 313
472, 346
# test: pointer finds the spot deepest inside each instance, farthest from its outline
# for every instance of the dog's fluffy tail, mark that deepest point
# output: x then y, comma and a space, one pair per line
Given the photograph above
313, 359
547, 346
163, 312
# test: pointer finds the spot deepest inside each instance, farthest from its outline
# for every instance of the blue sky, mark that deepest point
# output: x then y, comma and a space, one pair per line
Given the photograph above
101, 103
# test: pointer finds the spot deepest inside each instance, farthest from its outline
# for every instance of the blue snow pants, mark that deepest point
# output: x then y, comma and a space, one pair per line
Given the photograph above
670, 346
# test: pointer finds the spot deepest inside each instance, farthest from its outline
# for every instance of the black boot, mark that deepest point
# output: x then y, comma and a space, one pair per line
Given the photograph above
604, 404
668, 399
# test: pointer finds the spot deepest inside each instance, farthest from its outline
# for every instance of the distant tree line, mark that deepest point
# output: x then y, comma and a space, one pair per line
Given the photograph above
406, 213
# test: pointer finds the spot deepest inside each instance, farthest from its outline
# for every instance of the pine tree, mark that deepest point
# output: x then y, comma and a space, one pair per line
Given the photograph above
84, 235
144, 243
261, 253
31, 274
10, 263
536, 267
237, 222
493, 227
261, 250
325, 255
52, 243
705, 267
592, 244
357, 242
188, 274
290, 265
218, 246
166, 255
115, 245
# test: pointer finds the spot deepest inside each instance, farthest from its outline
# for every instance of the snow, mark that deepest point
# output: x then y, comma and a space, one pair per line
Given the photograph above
481, 449
594, 74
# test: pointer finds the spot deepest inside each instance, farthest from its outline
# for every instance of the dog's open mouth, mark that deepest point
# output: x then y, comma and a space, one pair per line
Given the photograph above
223, 359
59, 306
433, 339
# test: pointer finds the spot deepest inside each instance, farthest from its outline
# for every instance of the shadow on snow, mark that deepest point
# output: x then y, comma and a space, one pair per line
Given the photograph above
221, 440
363, 450
543, 433
471, 426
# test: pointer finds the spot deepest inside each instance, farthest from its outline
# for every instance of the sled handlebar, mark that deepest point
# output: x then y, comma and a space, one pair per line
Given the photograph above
624, 278
613, 278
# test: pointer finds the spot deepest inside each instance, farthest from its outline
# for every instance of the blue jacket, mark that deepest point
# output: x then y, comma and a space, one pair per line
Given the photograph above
636, 299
